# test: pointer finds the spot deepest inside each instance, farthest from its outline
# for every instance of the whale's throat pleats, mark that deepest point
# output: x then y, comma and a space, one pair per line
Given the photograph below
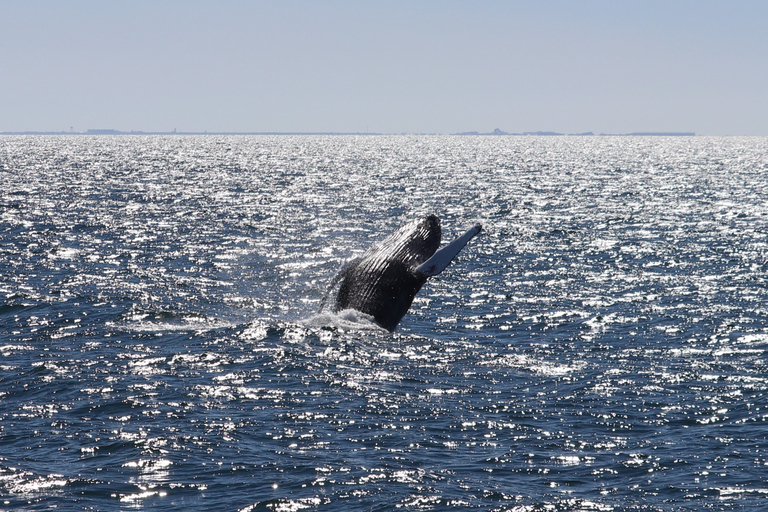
380, 287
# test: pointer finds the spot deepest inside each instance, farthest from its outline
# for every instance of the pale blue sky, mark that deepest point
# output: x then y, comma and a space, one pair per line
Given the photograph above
386, 66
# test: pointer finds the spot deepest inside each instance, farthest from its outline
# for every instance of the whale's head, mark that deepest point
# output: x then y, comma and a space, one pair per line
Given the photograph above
417, 241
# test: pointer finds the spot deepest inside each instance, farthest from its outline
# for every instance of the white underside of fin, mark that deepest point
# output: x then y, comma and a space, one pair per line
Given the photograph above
443, 257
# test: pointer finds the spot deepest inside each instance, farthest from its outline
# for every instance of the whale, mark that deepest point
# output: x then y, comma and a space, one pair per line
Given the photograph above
383, 282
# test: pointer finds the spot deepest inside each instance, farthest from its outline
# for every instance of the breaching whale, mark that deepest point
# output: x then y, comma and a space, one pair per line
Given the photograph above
384, 280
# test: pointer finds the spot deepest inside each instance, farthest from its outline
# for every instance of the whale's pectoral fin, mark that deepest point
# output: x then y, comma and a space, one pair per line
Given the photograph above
443, 257
351, 263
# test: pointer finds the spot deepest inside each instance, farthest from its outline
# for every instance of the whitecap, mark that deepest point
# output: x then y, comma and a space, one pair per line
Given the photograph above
347, 319
145, 322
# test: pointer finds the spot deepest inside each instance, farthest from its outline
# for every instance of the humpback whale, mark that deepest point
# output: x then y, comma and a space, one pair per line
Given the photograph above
384, 280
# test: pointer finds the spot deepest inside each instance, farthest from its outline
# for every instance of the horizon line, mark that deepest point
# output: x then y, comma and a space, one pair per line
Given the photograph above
496, 132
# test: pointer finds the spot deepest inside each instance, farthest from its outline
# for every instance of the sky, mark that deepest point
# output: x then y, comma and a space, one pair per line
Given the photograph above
399, 66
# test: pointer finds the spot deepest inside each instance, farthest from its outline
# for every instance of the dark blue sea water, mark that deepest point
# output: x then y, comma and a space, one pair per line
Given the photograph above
600, 346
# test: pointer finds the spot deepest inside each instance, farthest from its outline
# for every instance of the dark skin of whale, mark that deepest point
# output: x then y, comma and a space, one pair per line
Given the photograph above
386, 303
383, 282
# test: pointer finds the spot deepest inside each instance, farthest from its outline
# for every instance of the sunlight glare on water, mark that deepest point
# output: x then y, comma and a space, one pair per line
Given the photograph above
601, 345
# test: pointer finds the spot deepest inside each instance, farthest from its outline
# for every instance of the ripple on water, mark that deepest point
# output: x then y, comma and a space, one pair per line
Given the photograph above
600, 346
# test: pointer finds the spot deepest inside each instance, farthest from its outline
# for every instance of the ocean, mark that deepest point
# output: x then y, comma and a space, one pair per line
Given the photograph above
601, 346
